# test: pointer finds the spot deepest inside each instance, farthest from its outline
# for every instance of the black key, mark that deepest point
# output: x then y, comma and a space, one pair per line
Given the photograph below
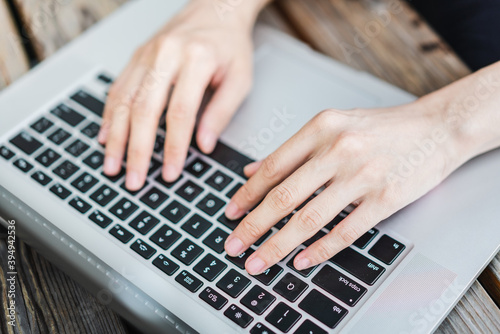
259, 328
168, 185
238, 316
153, 166
198, 167
283, 317
323, 308
103, 195
258, 300
233, 283
386, 249
6, 153
59, 136
120, 233
144, 222
213, 298
100, 219
123, 209
68, 115
188, 281
218, 180
358, 265
340, 217
134, 192
48, 157
165, 237
80, 205
339, 285
154, 198
105, 78
66, 170
210, 204
189, 191
60, 191
116, 177
84, 182
143, 249
77, 148
279, 225
41, 125
210, 267
159, 144
229, 223
305, 272
240, 260
23, 165
26, 143
94, 160
187, 252
314, 238
41, 178
91, 130
290, 287
263, 238
196, 225
234, 190
174, 212
309, 327
216, 240
89, 102
366, 238
166, 265
269, 275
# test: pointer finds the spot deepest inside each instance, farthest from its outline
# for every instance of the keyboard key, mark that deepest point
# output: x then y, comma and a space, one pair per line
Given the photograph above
189, 191
89, 102
80, 205
6, 153
105, 78
358, 265
84, 182
91, 130
210, 204
144, 222
283, 317
77, 148
218, 180
23, 165
263, 238
196, 226
314, 238
41, 125
120, 233
198, 167
166, 184
188, 281
41, 178
116, 177
216, 240
165, 237
175, 211
153, 166
143, 249
59, 136
269, 275
166, 265
159, 144
290, 287
233, 191
258, 300
339, 285
231, 224
213, 298
261, 329
60, 191
66, 170
134, 192
100, 219
94, 160
340, 217
233, 283
240, 260
187, 252
279, 225
103, 195
309, 327
305, 272
26, 143
68, 115
323, 308
123, 209
48, 157
386, 249
210, 267
154, 198
366, 238
238, 316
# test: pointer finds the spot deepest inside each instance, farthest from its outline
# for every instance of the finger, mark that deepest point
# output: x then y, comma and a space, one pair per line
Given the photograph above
252, 168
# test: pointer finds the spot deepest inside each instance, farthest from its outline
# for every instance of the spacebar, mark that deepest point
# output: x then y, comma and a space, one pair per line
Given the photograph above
358, 265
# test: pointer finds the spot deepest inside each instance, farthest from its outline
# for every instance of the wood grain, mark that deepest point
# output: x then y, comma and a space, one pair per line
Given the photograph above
490, 279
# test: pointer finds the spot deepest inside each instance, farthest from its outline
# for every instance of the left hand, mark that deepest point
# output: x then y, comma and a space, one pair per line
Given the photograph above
379, 160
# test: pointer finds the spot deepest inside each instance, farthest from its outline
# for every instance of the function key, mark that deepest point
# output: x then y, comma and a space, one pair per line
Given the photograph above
189, 191
210, 204
103, 195
68, 115
238, 316
66, 170
77, 148
84, 182
323, 308
240, 260
23, 165
210, 267
283, 317
269, 275
41, 125
91, 130
358, 265
143, 249
218, 180
198, 167
120, 233
165, 237
261, 329
154, 198
187, 252
233, 283
233, 191
41, 178
89, 102
196, 225
166, 184
144, 222
115, 178
166, 265
386, 249
258, 300
290, 287
213, 298
6, 153
59, 136
309, 327
80, 205
174, 212
123, 209
26, 143
216, 240
366, 238
48, 157
231, 224
94, 160
100, 219
188, 281
60, 191
305, 272
339, 285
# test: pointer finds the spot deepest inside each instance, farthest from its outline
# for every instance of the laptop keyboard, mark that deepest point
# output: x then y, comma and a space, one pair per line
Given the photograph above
180, 227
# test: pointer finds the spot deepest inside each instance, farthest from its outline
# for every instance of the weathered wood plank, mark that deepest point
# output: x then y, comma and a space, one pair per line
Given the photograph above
490, 279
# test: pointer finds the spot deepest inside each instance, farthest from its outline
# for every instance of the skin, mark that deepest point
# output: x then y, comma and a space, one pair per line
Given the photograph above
379, 160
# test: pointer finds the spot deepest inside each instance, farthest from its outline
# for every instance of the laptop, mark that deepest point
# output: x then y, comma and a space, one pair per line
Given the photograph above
156, 256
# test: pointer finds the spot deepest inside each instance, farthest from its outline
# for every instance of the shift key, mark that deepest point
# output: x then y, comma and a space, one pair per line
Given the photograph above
358, 265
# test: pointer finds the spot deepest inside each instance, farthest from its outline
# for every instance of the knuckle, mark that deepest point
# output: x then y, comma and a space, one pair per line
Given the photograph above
324, 120
276, 249
251, 229
309, 220
324, 250
347, 234
199, 50
270, 167
178, 113
248, 194
282, 198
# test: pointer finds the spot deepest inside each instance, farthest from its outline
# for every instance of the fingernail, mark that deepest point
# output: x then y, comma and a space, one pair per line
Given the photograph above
255, 266
209, 141
101, 137
132, 181
233, 211
302, 264
234, 246
111, 165
170, 173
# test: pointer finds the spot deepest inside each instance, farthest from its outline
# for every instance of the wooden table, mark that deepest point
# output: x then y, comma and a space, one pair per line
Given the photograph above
383, 37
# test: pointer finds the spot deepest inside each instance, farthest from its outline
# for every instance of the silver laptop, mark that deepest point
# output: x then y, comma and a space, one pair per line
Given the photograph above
156, 256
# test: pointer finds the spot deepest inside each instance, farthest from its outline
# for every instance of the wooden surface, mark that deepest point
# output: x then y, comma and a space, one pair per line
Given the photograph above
404, 52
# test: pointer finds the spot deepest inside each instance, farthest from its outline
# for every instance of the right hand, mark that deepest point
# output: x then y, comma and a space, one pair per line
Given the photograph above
195, 50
